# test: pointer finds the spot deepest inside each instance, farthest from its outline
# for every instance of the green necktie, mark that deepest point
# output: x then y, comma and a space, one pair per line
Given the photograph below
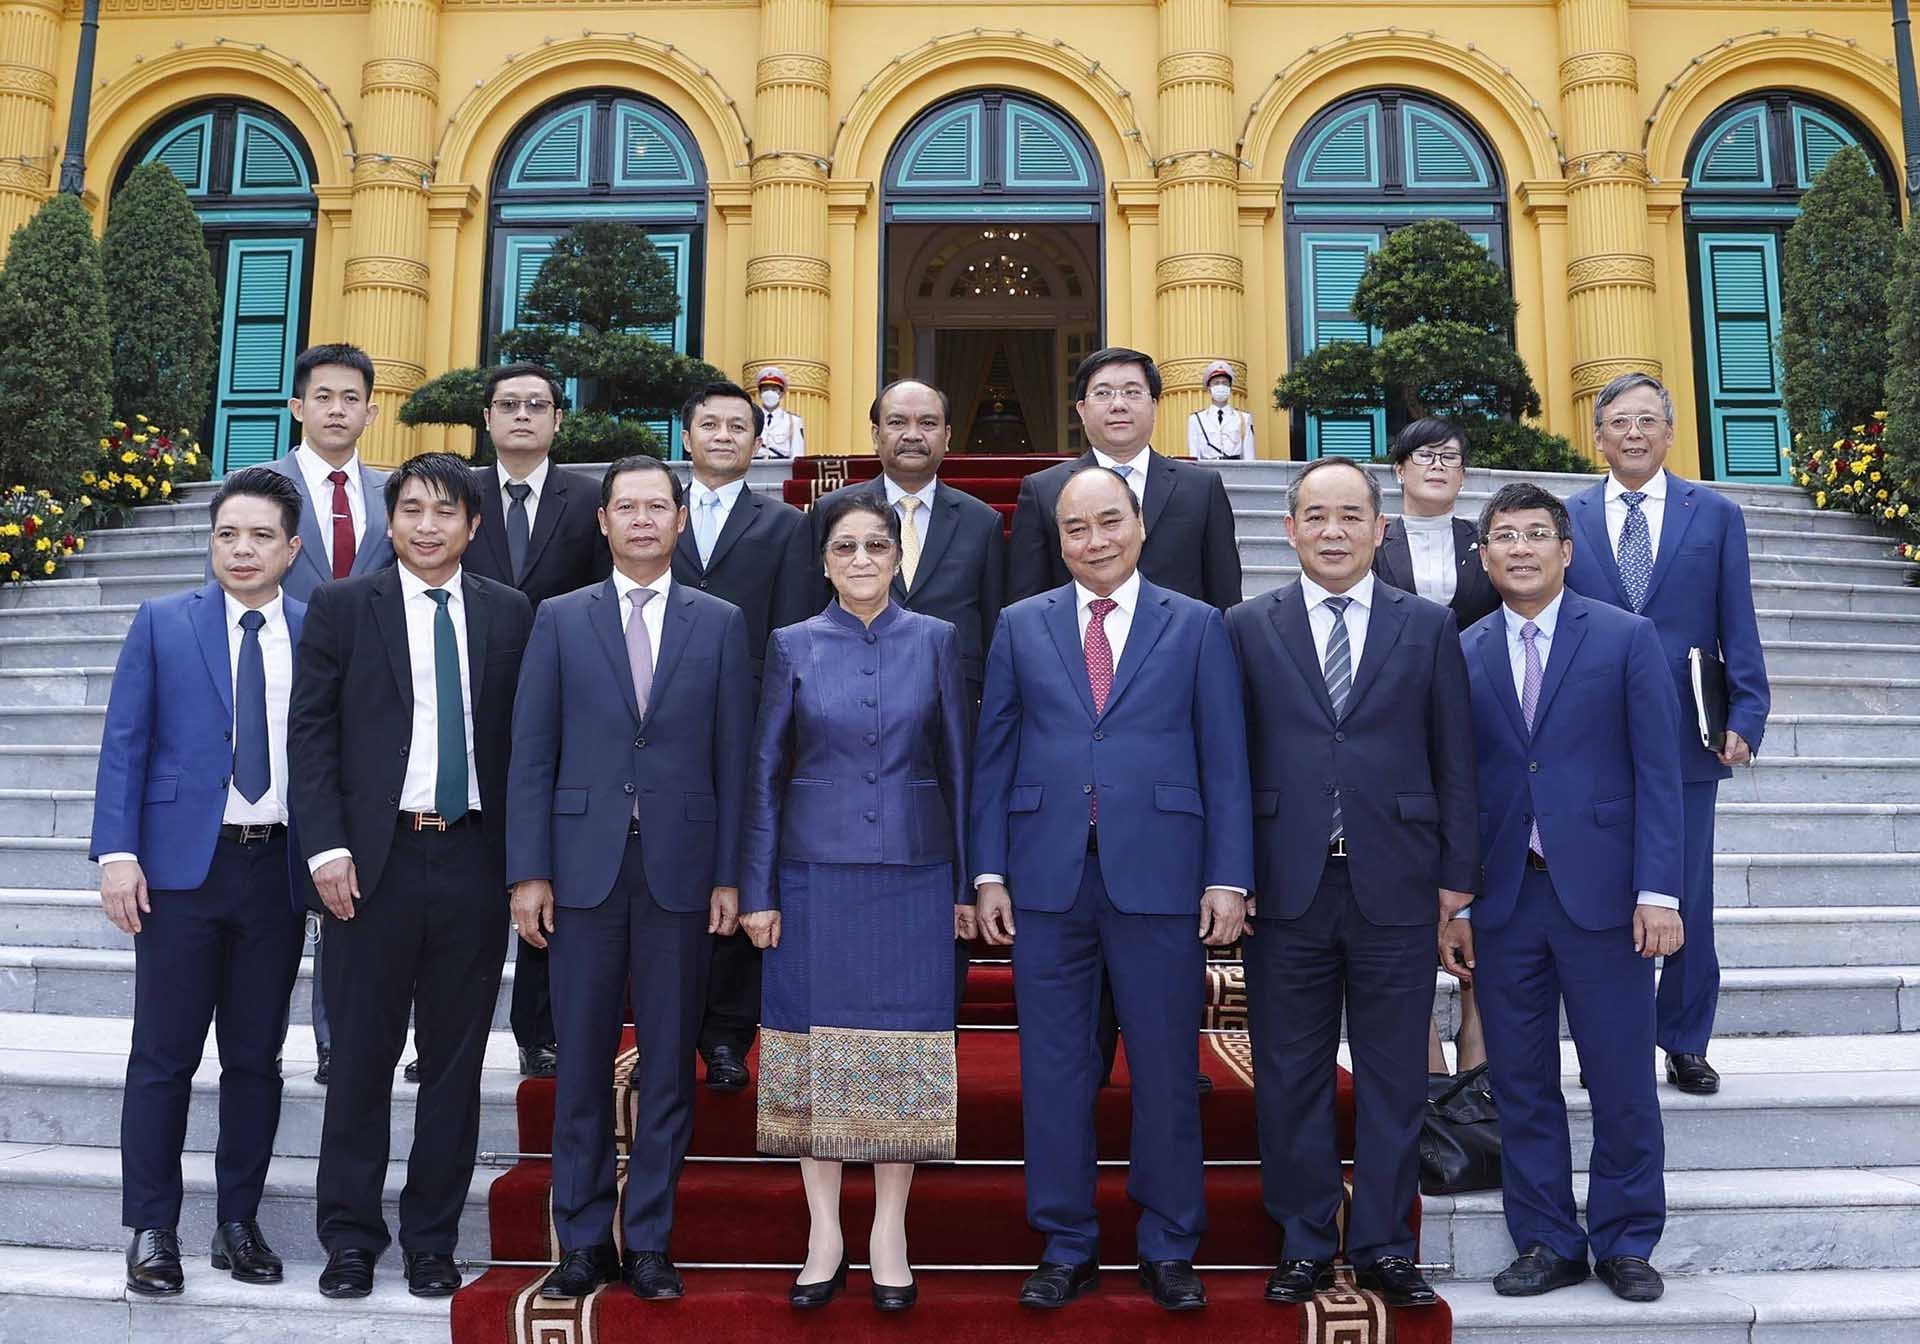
450, 714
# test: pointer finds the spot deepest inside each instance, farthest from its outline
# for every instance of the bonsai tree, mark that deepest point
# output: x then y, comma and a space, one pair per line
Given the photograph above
55, 363
1445, 317
161, 306
586, 315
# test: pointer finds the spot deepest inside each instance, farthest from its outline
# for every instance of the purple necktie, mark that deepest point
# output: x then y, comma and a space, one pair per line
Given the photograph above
639, 658
1529, 702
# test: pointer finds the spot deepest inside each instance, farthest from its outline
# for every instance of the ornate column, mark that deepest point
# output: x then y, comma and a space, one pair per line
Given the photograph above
29, 41
1610, 287
1199, 285
788, 273
386, 273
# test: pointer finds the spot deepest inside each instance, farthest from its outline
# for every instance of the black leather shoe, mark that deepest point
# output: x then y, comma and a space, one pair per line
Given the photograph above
1631, 1278
239, 1247
1299, 1280
431, 1274
153, 1263
582, 1271
1692, 1073
725, 1071
820, 1291
651, 1276
412, 1072
1054, 1284
1205, 1084
324, 1067
1538, 1271
349, 1273
887, 1297
1174, 1285
537, 1061
1398, 1281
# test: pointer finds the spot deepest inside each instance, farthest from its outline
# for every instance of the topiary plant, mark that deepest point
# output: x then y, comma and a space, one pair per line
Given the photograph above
161, 306
55, 362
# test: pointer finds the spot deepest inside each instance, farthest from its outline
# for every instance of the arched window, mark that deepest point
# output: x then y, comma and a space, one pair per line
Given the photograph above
1360, 169
1746, 172
250, 177
602, 155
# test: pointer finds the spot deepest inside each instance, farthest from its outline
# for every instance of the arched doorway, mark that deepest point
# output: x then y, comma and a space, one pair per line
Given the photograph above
1360, 169
992, 256
598, 155
250, 177
1746, 171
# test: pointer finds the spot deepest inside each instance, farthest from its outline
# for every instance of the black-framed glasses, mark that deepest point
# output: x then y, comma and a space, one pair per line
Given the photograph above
1426, 457
512, 405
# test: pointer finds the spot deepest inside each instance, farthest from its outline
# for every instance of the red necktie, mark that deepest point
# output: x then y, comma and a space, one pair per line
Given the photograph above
342, 526
1099, 668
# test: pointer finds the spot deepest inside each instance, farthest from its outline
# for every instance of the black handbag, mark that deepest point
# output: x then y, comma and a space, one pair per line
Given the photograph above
1460, 1136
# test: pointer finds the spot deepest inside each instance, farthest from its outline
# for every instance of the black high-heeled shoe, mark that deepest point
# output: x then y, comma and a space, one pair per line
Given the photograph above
889, 1298
820, 1293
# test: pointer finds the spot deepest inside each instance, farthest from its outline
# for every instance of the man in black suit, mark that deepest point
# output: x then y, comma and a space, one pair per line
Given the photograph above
1364, 842
735, 547
1190, 542
538, 533
398, 735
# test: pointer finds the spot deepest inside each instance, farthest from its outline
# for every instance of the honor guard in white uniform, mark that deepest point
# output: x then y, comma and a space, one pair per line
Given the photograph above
1219, 431
785, 434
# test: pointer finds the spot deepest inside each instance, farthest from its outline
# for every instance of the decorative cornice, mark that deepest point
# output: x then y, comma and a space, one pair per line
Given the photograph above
28, 82
182, 9
1195, 67
1199, 268
394, 73
1591, 375
1199, 165
1544, 199
806, 375
1184, 374
1598, 67
793, 68
397, 375
788, 272
1609, 270
386, 273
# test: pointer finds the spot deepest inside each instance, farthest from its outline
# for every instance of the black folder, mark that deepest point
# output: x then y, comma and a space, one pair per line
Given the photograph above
1708, 677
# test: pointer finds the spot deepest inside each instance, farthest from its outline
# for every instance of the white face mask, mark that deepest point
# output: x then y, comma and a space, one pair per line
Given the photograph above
1222, 393
770, 397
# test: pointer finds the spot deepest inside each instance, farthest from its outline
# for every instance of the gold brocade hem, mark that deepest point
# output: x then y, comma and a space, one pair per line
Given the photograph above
848, 1094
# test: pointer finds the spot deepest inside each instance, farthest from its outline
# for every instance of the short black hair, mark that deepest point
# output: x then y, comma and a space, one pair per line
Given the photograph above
946, 402
262, 483
446, 476
721, 392
1115, 354
347, 356
1428, 432
1521, 497
639, 462
495, 377
1133, 501
850, 502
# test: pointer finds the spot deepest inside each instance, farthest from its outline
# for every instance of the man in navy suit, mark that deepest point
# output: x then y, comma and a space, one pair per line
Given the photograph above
625, 859
539, 532
189, 828
1676, 552
1111, 810
1574, 720
1363, 803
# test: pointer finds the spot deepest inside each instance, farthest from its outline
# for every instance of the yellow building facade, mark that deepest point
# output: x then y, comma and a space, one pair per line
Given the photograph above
855, 189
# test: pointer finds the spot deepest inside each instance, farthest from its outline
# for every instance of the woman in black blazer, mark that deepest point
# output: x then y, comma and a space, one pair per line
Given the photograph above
1432, 554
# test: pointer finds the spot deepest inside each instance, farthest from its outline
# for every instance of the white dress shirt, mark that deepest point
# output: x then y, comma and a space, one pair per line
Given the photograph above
1436, 568
697, 496
423, 755
1320, 618
537, 478
922, 516
314, 471
276, 652
653, 614
1136, 475
1654, 507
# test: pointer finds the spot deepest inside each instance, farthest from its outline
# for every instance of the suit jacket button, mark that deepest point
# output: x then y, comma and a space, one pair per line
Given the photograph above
871, 777
639, 741
870, 637
1533, 767
403, 751
626, 788
1099, 736
872, 816
872, 738
703, 583
1086, 788
1339, 737
866, 671
228, 735
392, 798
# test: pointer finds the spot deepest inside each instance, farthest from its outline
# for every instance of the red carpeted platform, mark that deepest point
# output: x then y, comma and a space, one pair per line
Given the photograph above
993, 479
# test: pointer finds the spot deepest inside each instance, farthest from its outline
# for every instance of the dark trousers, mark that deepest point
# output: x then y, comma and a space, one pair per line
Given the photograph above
1156, 965
428, 937
322, 1028
1300, 974
596, 952
227, 954
732, 1016
1526, 967
531, 1011
1690, 978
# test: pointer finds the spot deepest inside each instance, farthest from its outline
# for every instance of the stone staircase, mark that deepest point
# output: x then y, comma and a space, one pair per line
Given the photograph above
1794, 1194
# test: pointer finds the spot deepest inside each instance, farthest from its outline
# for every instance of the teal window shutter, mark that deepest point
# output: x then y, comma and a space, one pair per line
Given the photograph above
1439, 154
556, 156
1331, 268
186, 153
259, 329
1816, 139
1346, 153
945, 153
1738, 155
1740, 288
267, 161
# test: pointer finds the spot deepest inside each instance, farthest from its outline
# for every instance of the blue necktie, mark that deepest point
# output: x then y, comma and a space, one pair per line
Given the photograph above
450, 714
252, 759
706, 524
1636, 550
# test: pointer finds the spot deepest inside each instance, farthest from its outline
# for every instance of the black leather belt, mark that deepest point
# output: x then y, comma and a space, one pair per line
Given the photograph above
1537, 862
433, 821
251, 835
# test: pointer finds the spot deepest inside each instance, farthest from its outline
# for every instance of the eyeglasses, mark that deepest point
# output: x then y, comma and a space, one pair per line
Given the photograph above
845, 548
1620, 425
1510, 536
1100, 396
512, 405
1426, 457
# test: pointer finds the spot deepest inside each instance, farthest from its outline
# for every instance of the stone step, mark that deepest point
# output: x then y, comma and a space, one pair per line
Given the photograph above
116, 591
1824, 779
82, 1296
1820, 935
55, 686
142, 536
1811, 657
1844, 695
1768, 541
49, 767
1799, 735
1816, 879
64, 622
1792, 828
56, 917
52, 725
1819, 597
39, 653
1867, 570
44, 813
186, 562
1841, 627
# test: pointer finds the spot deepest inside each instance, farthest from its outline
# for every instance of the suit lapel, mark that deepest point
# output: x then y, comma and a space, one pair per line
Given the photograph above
1150, 621
603, 614
373, 500
746, 508
1396, 555
1675, 519
946, 503
545, 520
493, 521
479, 621
1162, 481
1499, 670
313, 549
675, 631
1567, 636
1589, 510
210, 631
1289, 616
1063, 623
1384, 624
390, 616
